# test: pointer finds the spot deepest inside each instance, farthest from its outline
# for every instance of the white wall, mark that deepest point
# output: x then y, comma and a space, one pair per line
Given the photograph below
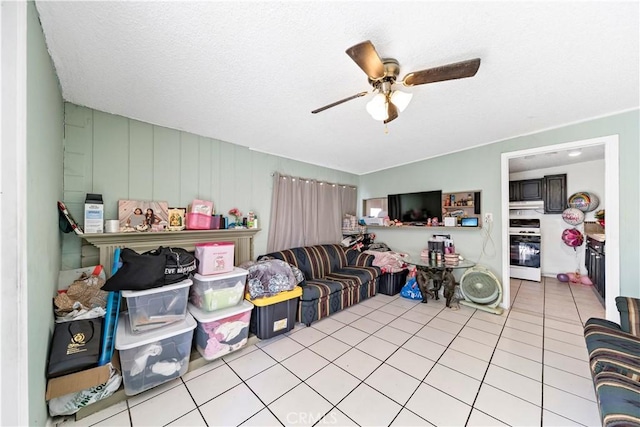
556, 256
14, 367
45, 134
479, 168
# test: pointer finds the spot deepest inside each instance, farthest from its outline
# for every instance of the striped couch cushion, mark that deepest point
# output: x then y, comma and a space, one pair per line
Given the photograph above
629, 309
319, 288
618, 399
612, 349
315, 262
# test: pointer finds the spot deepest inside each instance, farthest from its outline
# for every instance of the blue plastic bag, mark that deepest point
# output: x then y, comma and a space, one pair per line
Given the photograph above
411, 290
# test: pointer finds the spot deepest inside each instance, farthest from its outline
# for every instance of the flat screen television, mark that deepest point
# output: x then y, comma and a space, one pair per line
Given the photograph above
415, 207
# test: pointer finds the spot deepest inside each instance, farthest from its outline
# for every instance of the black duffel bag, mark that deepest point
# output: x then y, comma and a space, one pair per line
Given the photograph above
152, 269
75, 346
180, 263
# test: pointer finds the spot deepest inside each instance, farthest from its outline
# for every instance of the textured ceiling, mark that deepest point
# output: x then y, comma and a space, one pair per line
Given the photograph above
250, 72
556, 158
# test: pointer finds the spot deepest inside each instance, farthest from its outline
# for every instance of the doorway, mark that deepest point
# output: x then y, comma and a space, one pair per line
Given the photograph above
611, 189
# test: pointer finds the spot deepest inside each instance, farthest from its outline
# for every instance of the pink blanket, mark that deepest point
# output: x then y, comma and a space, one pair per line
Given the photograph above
389, 261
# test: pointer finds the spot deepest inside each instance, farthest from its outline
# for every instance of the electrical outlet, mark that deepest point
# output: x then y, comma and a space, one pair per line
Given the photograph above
488, 217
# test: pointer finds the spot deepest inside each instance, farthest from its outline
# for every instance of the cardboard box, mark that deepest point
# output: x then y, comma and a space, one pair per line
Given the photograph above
93, 214
82, 380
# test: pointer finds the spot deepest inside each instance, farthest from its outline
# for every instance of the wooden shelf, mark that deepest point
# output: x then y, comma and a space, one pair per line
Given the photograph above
187, 239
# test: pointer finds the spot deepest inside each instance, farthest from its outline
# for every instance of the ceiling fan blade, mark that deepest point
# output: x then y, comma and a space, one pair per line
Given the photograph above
365, 55
392, 111
459, 70
357, 95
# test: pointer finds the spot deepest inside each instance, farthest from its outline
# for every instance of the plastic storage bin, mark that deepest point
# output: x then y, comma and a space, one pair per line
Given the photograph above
157, 307
223, 331
198, 221
154, 357
218, 291
274, 315
392, 283
215, 257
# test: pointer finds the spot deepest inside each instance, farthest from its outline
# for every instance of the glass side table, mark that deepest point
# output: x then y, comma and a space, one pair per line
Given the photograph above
438, 272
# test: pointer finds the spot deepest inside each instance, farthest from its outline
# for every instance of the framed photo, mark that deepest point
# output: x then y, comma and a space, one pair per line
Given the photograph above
176, 219
139, 215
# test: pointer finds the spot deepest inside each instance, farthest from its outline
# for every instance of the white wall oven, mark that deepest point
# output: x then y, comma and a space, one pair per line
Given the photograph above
524, 249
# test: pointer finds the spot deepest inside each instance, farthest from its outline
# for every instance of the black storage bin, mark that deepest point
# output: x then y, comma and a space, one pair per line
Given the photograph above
391, 283
273, 316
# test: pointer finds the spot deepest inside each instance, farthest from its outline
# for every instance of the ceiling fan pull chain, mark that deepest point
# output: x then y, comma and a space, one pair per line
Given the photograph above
386, 129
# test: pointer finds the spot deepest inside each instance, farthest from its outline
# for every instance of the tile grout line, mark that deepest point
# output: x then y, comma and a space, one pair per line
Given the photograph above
194, 402
382, 363
252, 391
383, 325
489, 364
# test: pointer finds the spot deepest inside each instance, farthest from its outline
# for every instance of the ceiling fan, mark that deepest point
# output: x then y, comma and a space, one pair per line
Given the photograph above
383, 72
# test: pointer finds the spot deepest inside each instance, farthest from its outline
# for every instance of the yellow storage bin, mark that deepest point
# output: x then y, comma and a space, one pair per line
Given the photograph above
273, 316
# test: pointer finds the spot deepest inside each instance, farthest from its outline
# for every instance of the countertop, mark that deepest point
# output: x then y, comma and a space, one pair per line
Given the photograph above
594, 230
596, 236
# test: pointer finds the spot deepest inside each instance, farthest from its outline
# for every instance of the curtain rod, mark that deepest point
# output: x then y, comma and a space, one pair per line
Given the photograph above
312, 179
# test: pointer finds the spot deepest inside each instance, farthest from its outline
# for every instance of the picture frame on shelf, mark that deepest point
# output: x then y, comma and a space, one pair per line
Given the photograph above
142, 216
177, 219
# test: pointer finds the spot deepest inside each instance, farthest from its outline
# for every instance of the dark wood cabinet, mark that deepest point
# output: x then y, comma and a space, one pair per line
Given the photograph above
552, 189
531, 189
555, 193
514, 191
594, 261
527, 189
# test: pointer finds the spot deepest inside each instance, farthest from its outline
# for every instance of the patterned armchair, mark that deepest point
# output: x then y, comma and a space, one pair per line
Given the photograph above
335, 278
614, 357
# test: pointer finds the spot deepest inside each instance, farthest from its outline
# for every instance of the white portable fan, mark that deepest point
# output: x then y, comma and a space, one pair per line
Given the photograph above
481, 289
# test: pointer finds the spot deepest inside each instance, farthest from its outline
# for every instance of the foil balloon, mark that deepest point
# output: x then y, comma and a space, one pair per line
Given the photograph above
572, 237
573, 216
595, 202
580, 201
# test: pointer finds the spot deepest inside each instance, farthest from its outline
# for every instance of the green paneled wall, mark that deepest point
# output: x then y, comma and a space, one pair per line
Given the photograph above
44, 188
479, 169
122, 158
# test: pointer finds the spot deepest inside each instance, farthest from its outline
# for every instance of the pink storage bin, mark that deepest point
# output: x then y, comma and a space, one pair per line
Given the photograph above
196, 221
203, 207
214, 257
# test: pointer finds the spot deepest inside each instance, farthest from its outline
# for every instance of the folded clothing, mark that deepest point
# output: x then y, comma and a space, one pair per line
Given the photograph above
388, 261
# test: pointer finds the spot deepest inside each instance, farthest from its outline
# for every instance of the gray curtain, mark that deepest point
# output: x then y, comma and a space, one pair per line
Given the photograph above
307, 212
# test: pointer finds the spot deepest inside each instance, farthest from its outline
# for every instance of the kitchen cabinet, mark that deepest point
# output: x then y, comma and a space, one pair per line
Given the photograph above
555, 193
594, 261
527, 189
551, 189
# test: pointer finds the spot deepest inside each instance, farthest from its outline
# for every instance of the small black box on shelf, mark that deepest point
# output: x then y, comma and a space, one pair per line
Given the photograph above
391, 283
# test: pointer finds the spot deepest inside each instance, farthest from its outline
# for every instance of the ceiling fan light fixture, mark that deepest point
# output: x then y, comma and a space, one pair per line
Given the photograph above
377, 107
401, 99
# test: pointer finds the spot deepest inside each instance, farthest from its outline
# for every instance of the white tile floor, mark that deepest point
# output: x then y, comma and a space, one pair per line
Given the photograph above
391, 361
